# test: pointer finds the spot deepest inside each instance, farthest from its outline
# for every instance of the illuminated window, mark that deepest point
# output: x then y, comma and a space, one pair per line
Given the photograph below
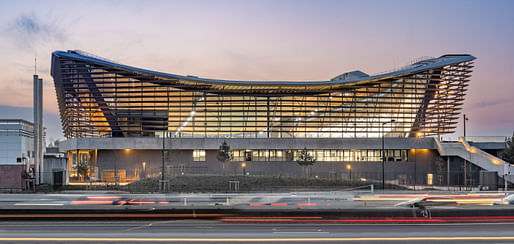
339, 155
238, 155
346, 155
272, 155
404, 155
320, 156
263, 155
430, 179
255, 155
198, 155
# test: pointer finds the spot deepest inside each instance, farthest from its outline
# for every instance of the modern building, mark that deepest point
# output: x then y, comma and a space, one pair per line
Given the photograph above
127, 122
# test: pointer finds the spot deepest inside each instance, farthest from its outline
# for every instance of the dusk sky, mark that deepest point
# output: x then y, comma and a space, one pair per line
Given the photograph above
262, 40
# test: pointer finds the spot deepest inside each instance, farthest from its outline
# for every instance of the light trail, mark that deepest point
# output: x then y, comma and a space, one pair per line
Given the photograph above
107, 215
342, 239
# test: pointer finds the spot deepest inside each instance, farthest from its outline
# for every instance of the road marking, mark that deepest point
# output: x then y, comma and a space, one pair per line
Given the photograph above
139, 227
39, 204
463, 238
300, 232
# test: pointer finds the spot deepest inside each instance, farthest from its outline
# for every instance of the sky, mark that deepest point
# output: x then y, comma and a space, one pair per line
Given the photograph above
262, 40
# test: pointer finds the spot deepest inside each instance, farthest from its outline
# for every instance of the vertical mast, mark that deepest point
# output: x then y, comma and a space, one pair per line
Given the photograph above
35, 107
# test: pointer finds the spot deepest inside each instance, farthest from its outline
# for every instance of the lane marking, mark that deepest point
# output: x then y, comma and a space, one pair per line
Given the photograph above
39, 204
139, 227
120, 215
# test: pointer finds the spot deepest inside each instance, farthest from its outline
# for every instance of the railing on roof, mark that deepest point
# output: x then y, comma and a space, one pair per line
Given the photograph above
84, 53
487, 138
408, 65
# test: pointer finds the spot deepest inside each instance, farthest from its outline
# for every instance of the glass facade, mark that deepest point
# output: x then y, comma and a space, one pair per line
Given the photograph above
99, 98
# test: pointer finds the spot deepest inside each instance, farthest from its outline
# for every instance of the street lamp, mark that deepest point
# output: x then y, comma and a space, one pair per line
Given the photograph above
383, 153
418, 135
162, 185
349, 167
244, 168
465, 119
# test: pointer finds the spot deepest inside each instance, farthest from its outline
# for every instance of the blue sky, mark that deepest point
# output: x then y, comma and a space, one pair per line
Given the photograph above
263, 40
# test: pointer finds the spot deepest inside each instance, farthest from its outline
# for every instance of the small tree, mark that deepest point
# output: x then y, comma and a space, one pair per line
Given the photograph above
508, 152
306, 160
224, 154
82, 170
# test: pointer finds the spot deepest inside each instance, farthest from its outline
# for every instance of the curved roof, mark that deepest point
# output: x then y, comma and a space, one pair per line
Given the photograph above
417, 67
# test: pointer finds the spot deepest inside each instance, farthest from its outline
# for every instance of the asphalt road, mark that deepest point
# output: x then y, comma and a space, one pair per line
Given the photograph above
198, 231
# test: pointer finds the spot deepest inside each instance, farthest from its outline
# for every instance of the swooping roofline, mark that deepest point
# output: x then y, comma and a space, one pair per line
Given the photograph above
444, 60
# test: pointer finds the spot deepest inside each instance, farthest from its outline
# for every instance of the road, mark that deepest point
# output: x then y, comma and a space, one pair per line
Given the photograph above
209, 231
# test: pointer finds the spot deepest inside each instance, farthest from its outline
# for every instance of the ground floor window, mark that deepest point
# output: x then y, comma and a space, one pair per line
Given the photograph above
430, 179
326, 155
198, 155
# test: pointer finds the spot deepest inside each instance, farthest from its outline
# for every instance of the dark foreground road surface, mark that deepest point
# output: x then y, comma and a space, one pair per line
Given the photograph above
210, 231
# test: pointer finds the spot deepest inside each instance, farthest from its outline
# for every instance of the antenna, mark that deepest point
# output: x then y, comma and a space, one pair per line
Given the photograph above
35, 63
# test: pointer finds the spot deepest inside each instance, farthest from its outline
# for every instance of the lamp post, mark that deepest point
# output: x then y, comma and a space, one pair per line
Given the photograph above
162, 185
415, 168
383, 153
418, 135
465, 119
244, 168
349, 167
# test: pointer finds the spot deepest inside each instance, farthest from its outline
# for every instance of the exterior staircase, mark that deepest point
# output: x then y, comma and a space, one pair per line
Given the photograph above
476, 156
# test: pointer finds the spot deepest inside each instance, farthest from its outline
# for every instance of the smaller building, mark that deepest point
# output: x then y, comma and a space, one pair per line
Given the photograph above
16, 150
16, 142
55, 165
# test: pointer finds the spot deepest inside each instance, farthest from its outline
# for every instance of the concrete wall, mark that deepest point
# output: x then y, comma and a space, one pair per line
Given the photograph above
112, 154
181, 162
153, 143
